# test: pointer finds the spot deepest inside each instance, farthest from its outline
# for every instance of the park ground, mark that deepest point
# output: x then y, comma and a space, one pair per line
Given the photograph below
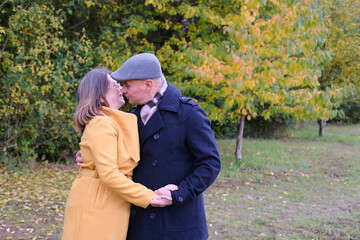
298, 187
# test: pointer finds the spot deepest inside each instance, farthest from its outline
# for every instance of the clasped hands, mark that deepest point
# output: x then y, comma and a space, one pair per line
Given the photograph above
162, 196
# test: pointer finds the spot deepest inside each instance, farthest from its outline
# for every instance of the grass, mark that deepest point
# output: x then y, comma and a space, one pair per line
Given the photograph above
301, 187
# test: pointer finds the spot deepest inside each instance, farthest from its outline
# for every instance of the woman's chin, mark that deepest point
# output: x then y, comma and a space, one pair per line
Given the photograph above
122, 103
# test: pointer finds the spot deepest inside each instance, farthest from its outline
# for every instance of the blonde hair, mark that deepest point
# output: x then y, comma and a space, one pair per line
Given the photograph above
91, 89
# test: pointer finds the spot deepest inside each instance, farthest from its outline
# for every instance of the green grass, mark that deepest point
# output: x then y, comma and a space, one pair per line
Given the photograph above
339, 134
301, 187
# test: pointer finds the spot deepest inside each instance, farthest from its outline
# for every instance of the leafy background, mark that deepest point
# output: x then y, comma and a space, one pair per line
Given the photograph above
269, 61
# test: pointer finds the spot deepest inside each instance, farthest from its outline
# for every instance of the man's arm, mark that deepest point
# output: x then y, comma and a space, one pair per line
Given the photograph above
202, 145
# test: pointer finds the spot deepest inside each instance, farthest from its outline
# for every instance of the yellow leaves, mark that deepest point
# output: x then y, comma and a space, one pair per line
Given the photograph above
45, 89
275, 2
213, 70
256, 31
37, 197
2, 30
160, 5
168, 24
89, 3
148, 2
190, 12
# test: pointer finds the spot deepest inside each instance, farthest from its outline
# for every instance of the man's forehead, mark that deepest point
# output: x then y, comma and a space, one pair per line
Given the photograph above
131, 82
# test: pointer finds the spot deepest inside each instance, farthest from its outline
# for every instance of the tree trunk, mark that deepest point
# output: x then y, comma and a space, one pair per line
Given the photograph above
239, 139
322, 124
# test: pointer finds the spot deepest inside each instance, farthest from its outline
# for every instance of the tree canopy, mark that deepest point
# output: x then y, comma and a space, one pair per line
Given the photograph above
237, 58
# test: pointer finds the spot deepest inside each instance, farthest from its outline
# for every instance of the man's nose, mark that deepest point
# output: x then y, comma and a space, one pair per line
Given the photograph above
122, 90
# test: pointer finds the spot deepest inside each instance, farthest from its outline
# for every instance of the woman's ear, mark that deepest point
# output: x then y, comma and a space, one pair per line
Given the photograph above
103, 102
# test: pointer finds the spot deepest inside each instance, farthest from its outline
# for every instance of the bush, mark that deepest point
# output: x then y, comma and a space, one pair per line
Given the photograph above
275, 127
39, 78
351, 112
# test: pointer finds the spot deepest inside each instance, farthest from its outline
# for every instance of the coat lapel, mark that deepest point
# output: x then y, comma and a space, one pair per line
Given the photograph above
127, 126
169, 102
154, 125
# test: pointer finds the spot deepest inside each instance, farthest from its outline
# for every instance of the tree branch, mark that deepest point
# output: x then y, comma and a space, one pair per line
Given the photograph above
3, 3
76, 25
3, 48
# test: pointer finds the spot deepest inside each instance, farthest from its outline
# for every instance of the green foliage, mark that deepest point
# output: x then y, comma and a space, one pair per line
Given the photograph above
351, 109
277, 126
49, 46
39, 73
343, 43
257, 58
269, 64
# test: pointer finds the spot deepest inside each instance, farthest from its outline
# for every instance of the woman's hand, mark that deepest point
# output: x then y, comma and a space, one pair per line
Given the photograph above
79, 160
162, 196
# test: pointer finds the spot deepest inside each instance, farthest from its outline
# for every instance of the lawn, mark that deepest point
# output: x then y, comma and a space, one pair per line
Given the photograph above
301, 187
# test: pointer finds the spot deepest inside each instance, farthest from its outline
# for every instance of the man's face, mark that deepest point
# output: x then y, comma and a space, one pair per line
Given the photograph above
135, 91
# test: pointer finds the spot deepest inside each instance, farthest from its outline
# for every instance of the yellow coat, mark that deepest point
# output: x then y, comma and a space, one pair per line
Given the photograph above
98, 206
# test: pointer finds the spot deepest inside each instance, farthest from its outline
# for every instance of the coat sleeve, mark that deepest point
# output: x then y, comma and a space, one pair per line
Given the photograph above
103, 145
202, 145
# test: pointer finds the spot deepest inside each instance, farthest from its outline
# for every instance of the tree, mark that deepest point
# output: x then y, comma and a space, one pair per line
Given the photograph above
39, 72
343, 43
269, 64
254, 58
48, 46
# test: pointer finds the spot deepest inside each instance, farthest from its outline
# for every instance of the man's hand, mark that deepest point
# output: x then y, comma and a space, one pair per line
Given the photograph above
79, 160
162, 196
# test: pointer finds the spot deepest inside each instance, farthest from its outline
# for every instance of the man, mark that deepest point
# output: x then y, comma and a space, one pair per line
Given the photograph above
177, 146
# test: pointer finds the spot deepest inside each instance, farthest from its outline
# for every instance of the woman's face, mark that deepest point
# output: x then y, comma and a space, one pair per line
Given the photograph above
113, 96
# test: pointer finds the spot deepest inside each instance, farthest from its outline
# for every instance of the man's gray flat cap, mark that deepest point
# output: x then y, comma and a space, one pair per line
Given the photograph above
141, 66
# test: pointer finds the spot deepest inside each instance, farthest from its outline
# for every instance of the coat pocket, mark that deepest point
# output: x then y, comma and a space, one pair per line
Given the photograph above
100, 195
181, 218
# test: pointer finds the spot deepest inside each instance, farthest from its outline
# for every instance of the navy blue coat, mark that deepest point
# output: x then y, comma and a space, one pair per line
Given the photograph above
177, 146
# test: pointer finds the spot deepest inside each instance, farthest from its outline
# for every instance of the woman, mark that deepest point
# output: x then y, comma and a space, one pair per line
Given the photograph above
98, 206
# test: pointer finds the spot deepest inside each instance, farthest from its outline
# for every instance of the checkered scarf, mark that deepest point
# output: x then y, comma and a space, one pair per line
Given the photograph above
150, 108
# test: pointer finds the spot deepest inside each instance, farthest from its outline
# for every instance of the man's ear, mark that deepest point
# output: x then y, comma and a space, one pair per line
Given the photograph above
148, 85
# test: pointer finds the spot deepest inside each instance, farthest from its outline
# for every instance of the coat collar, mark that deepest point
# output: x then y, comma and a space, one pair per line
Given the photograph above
169, 102
129, 130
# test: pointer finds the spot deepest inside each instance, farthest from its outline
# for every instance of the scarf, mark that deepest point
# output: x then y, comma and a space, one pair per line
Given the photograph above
150, 108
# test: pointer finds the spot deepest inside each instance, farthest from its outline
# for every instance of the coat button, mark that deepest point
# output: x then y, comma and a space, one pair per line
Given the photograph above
154, 163
156, 136
180, 199
133, 212
152, 215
